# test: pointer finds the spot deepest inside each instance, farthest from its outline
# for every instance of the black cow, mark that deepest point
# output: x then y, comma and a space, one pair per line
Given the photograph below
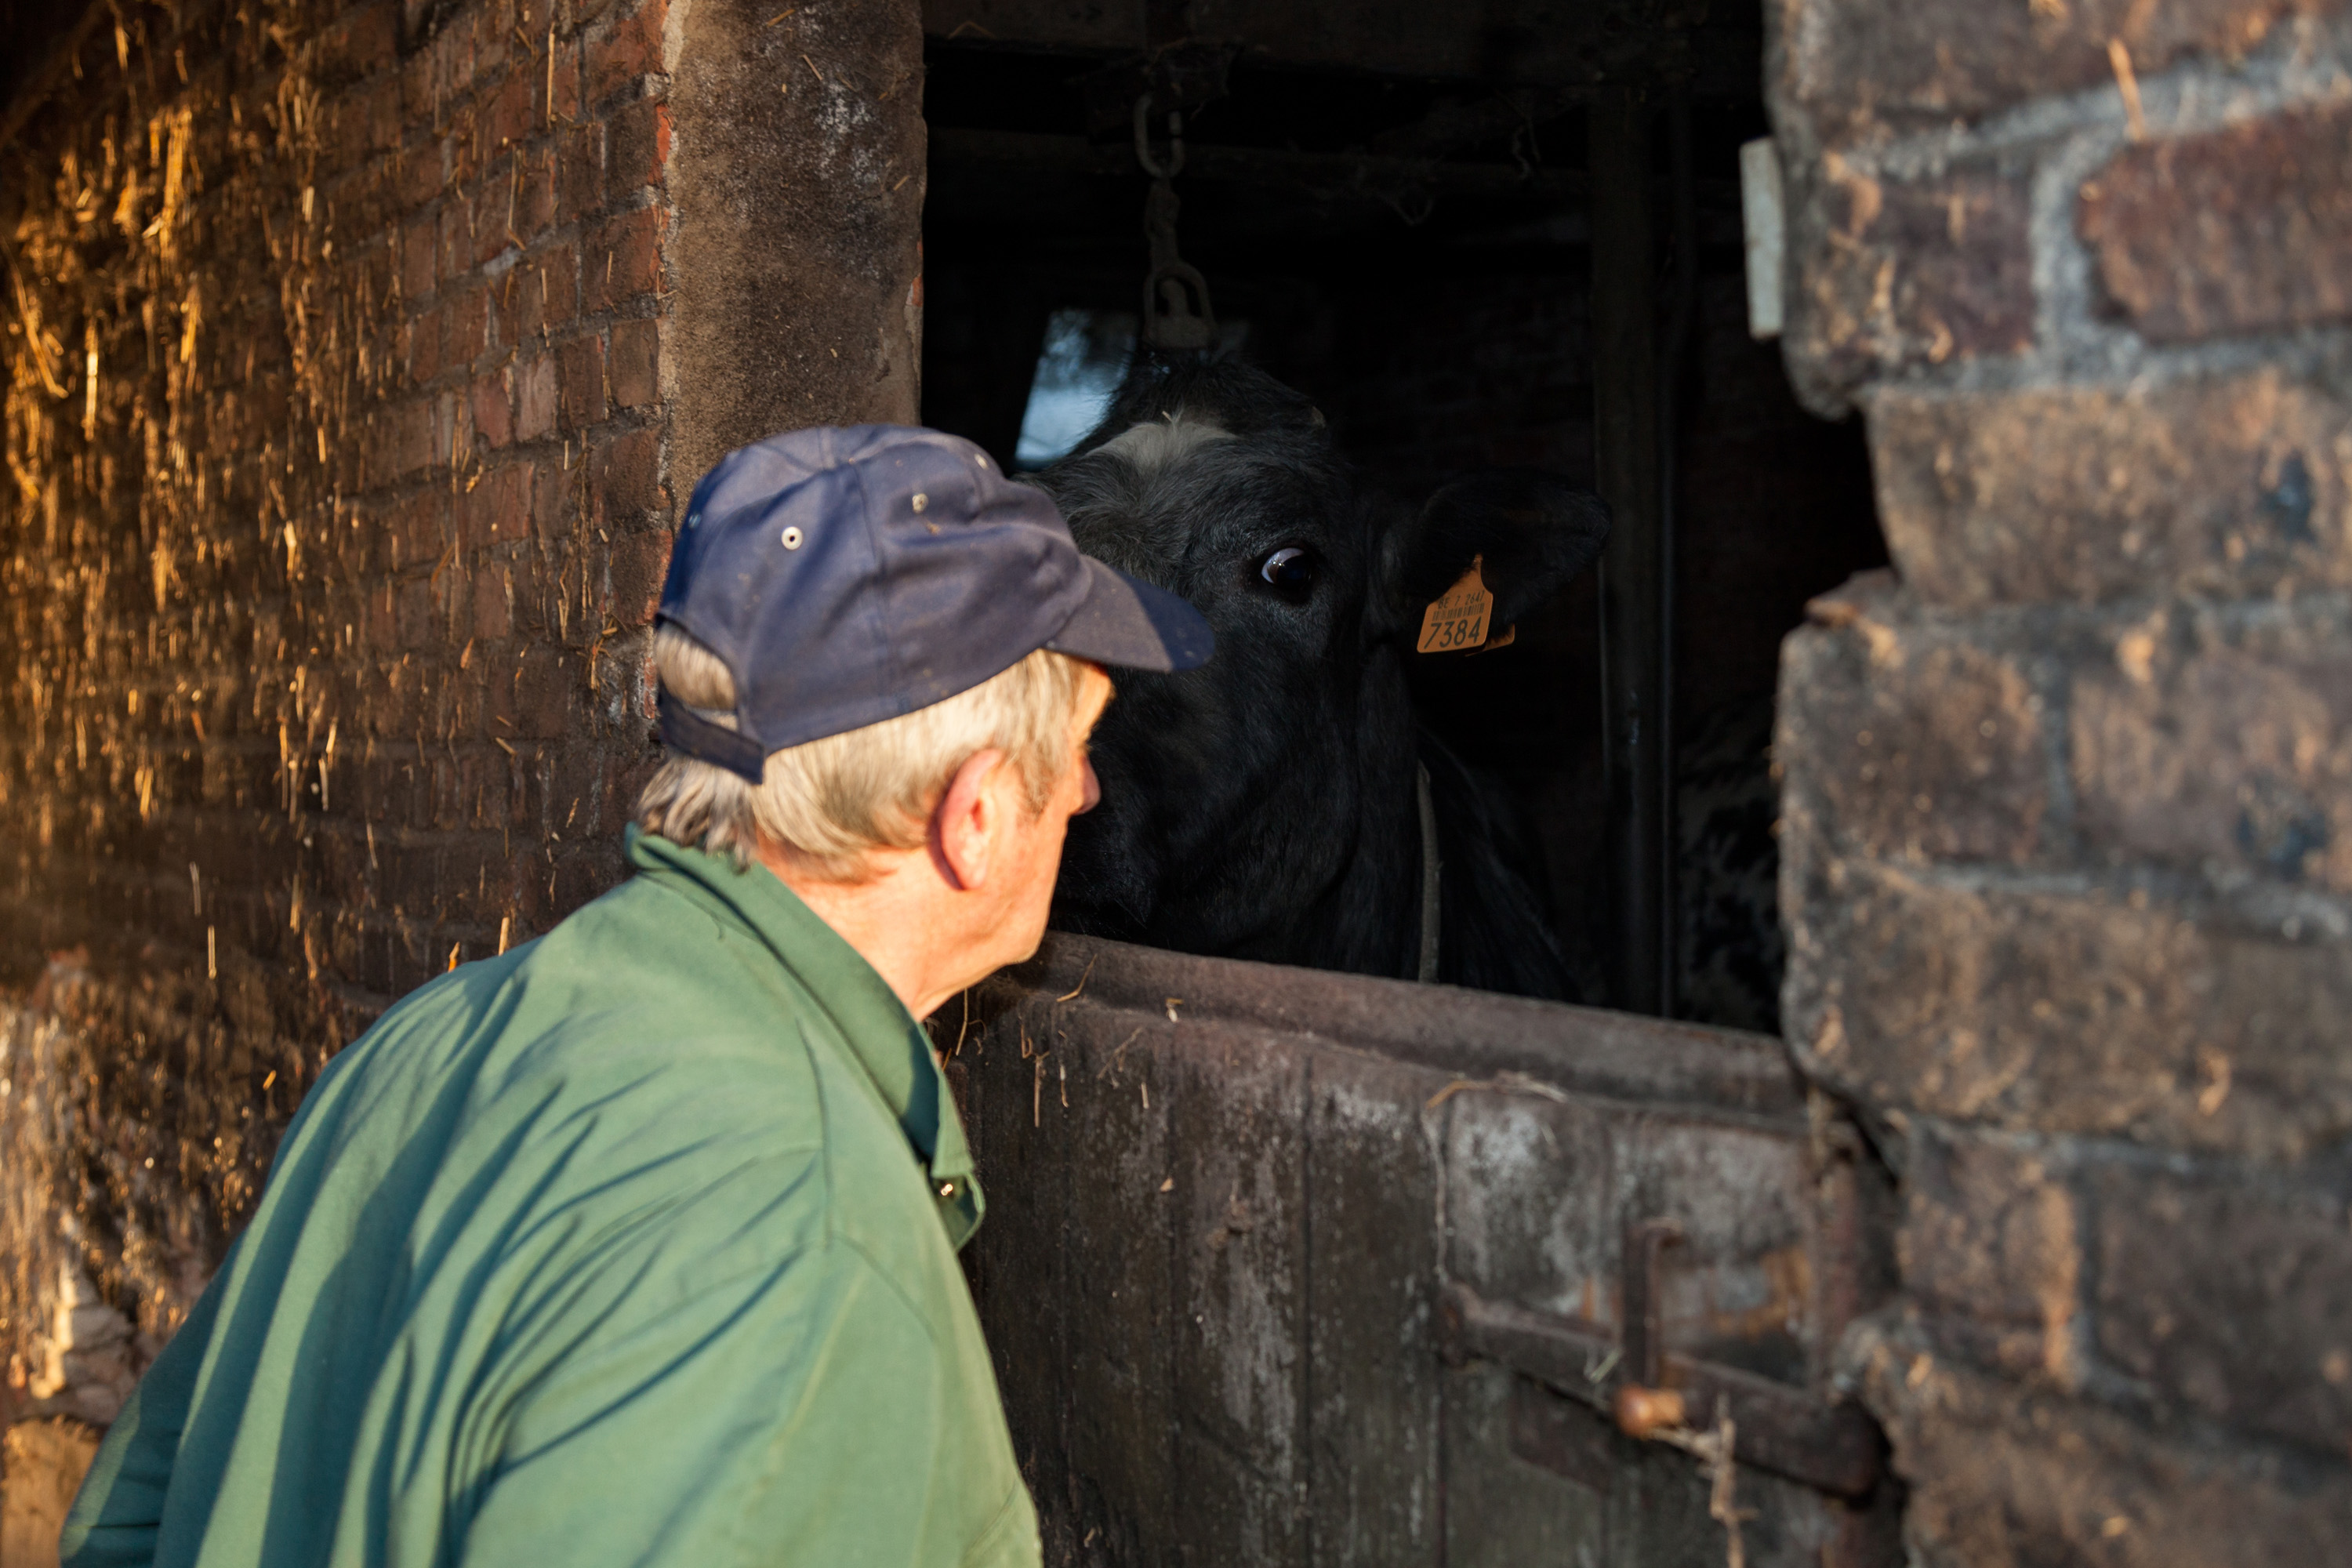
1275, 805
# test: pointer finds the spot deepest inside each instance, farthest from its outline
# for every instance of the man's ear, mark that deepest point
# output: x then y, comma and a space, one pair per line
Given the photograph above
963, 820
1535, 531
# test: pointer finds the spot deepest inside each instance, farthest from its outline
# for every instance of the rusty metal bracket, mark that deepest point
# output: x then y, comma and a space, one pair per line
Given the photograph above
1834, 1447
1644, 1338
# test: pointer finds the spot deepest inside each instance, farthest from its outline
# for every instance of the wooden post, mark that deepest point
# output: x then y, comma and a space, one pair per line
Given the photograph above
1634, 570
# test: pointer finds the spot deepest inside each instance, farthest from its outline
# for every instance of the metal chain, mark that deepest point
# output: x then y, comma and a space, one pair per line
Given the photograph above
1176, 310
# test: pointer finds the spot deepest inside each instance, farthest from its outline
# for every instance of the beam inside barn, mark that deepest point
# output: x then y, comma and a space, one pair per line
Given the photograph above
1635, 568
1506, 42
1371, 177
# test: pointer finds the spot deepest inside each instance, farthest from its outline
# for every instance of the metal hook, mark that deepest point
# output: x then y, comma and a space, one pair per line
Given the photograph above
1143, 140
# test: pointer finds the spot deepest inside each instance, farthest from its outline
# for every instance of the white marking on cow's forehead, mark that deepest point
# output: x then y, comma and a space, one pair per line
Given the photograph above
1160, 443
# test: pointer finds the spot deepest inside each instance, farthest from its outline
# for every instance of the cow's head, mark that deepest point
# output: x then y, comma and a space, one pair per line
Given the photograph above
1234, 794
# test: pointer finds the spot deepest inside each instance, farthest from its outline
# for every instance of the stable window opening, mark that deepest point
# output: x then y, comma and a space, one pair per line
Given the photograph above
1442, 265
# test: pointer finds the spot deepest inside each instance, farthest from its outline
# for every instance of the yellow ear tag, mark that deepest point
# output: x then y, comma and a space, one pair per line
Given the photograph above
1456, 622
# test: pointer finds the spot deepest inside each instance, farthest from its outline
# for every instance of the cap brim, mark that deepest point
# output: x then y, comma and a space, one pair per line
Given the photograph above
1134, 625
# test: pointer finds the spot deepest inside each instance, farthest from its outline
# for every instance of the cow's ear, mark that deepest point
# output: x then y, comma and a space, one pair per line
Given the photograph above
1533, 533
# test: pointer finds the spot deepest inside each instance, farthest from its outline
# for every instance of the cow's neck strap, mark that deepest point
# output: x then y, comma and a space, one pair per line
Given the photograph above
1429, 872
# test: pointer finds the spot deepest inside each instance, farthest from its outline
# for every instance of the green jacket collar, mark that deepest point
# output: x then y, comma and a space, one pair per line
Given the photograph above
888, 1042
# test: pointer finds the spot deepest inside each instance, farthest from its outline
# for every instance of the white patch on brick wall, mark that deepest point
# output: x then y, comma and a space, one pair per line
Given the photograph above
87, 1360
66, 1350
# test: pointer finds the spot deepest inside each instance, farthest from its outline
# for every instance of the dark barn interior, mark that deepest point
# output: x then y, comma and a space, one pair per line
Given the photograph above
1416, 250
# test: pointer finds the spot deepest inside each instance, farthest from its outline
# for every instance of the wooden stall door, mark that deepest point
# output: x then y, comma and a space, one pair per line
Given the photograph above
1287, 1267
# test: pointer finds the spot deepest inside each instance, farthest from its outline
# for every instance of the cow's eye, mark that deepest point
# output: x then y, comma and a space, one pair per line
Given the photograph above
1290, 571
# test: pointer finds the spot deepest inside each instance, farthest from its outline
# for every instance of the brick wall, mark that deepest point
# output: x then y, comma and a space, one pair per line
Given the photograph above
2069, 791
347, 416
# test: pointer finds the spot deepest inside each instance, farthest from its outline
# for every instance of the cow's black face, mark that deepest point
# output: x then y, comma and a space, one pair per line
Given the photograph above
1220, 767
1235, 796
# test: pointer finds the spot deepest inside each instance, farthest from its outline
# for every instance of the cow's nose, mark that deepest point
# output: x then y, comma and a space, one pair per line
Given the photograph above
1093, 796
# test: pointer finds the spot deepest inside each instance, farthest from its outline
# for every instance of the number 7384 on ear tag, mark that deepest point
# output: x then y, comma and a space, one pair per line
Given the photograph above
1456, 622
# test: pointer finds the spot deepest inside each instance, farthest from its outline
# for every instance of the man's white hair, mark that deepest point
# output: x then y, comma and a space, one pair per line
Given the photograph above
837, 800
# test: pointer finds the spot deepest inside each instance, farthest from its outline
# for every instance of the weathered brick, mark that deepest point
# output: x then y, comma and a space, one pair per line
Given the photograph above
418, 527
424, 336
1911, 272
626, 475
513, 112
535, 401
468, 153
638, 564
534, 203
565, 77
2009, 1476
381, 627
2190, 751
1852, 65
494, 210
446, 806
416, 173
622, 261
454, 243
419, 620
559, 282
420, 87
417, 272
2242, 230
493, 401
630, 48
404, 435
1991, 1243
492, 617
2228, 485
2234, 1297
494, 35
450, 421
366, 122
1911, 741
546, 690
495, 508
637, 148
358, 42
580, 171
550, 496
539, 294
635, 365
366, 222
579, 378
2064, 1012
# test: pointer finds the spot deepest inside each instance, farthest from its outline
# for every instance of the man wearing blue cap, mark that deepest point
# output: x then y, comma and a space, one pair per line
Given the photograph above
637, 1245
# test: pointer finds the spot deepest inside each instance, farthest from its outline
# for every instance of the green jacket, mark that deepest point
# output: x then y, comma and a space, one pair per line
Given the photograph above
636, 1245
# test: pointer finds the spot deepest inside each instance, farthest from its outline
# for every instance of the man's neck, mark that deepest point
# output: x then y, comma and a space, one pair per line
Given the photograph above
886, 916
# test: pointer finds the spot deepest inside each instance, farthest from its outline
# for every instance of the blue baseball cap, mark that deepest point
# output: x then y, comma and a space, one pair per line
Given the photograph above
847, 577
